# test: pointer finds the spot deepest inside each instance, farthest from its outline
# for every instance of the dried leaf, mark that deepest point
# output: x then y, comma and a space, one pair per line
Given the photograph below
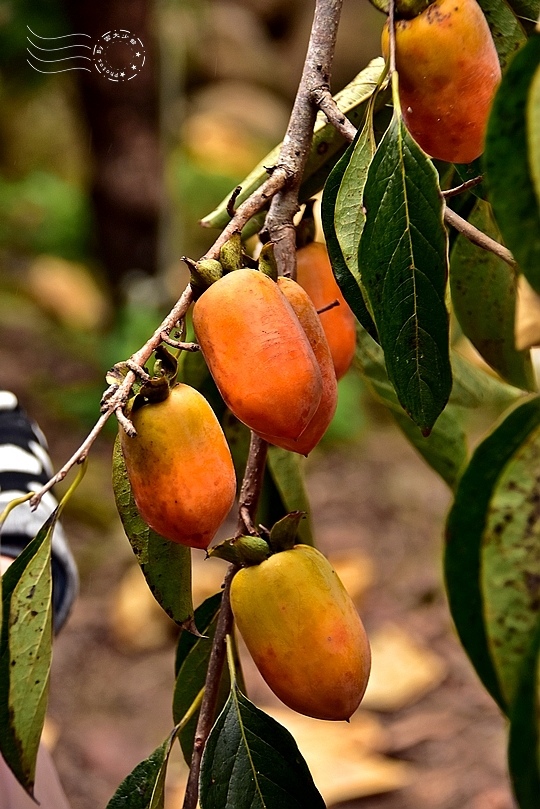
402, 671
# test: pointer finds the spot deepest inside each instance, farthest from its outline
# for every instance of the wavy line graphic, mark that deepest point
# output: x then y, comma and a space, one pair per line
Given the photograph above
55, 62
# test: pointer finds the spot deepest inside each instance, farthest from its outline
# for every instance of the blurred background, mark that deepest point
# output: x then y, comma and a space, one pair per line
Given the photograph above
102, 186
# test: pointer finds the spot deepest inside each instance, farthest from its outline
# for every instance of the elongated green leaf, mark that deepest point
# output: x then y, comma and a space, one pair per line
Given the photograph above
349, 212
484, 291
327, 142
475, 534
473, 387
511, 188
533, 130
144, 788
526, 11
25, 654
508, 33
252, 762
445, 449
192, 658
166, 565
510, 571
348, 282
524, 740
287, 471
403, 255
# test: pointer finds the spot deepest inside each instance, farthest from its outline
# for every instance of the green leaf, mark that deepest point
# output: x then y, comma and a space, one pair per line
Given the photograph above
499, 476
510, 569
533, 130
403, 255
252, 762
473, 387
144, 788
445, 449
345, 270
166, 565
287, 471
327, 142
506, 30
25, 654
524, 741
527, 12
511, 188
484, 292
192, 657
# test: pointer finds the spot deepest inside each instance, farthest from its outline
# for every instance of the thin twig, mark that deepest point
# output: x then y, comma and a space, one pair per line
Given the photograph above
478, 237
323, 99
232, 200
250, 493
459, 189
299, 135
328, 307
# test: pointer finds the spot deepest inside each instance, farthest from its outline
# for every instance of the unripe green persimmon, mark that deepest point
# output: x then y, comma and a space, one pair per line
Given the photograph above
180, 467
303, 632
448, 74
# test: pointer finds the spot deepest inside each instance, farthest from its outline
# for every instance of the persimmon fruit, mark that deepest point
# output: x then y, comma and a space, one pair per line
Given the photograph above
311, 323
314, 274
180, 467
448, 73
303, 632
258, 353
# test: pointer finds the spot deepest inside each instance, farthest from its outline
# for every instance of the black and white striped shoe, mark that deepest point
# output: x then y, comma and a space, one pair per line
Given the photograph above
25, 466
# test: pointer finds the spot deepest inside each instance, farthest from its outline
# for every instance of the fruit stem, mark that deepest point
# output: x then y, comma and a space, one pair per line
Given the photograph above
251, 486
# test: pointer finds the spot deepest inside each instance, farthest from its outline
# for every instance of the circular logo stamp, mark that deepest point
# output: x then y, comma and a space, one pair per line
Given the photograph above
119, 55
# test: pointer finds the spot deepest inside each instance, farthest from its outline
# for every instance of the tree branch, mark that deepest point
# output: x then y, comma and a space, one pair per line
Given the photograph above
250, 493
297, 141
478, 237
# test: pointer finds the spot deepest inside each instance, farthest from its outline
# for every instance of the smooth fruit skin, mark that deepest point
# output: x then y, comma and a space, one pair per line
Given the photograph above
180, 467
311, 323
314, 274
303, 632
258, 354
448, 74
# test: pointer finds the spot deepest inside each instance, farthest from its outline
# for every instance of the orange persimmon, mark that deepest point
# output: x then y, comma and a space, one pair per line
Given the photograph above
180, 467
258, 354
303, 632
311, 323
448, 73
314, 274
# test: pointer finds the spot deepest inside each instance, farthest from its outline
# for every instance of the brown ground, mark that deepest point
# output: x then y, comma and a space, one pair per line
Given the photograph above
110, 703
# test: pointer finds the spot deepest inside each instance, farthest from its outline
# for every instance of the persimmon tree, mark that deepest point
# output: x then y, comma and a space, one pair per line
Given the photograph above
415, 244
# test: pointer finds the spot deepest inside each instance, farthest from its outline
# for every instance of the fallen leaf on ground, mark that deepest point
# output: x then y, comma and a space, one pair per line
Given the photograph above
402, 671
344, 758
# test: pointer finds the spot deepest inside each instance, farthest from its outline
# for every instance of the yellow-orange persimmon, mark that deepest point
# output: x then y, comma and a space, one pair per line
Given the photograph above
314, 274
303, 632
180, 467
258, 353
448, 73
311, 323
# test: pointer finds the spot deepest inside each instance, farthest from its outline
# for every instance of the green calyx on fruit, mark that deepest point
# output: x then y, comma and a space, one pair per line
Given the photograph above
230, 254
203, 273
284, 532
242, 551
267, 261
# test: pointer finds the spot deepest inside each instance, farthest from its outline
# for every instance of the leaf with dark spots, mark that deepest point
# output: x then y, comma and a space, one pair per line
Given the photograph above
493, 555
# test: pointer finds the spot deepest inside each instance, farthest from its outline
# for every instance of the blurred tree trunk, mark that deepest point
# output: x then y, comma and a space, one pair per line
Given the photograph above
123, 118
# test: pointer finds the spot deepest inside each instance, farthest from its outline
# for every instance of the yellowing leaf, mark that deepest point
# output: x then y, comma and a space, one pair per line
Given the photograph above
402, 671
343, 757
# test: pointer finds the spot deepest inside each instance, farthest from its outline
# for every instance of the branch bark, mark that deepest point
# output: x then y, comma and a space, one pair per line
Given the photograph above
297, 141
